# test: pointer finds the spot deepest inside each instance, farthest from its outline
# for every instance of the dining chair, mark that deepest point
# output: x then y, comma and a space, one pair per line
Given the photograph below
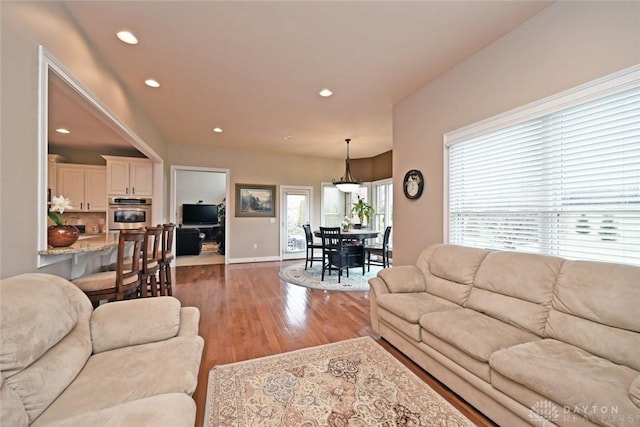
311, 246
334, 252
167, 259
151, 260
124, 282
381, 251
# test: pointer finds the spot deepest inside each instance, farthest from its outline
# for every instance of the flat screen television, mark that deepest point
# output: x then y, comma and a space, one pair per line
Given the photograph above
199, 214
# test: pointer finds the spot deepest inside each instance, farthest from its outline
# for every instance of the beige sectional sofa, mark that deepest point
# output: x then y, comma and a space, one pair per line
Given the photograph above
128, 363
524, 338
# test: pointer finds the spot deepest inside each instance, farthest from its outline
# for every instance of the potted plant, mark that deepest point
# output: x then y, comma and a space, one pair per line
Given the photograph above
221, 220
363, 210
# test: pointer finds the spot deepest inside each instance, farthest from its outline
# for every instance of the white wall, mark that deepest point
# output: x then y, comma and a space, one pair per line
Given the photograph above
565, 45
24, 26
248, 167
196, 186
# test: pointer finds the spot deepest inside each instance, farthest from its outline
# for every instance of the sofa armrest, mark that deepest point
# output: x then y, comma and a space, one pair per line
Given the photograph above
132, 322
189, 321
403, 279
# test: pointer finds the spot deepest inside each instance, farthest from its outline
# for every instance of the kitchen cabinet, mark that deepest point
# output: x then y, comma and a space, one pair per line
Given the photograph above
84, 185
129, 176
52, 170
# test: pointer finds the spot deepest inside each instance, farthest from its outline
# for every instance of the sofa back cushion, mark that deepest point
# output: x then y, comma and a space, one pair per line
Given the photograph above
450, 270
45, 338
595, 307
516, 288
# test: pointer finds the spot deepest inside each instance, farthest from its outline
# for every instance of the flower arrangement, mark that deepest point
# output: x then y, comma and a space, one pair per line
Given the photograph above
59, 204
346, 223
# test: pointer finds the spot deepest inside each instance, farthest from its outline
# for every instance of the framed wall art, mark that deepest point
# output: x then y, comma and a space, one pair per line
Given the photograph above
255, 200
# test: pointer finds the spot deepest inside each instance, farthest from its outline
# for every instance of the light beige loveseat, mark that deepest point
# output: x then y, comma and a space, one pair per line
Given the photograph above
519, 336
128, 363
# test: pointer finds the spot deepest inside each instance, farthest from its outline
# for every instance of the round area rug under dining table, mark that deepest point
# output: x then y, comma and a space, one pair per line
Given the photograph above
310, 278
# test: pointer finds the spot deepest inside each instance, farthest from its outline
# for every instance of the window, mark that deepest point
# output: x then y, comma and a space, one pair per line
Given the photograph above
332, 206
561, 176
383, 204
337, 204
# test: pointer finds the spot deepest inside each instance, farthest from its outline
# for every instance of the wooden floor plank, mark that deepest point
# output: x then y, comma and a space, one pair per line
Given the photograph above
246, 311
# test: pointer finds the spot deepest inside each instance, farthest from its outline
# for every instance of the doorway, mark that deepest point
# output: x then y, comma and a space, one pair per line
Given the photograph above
296, 211
192, 185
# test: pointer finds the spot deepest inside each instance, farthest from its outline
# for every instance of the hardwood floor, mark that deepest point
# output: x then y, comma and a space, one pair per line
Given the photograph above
246, 311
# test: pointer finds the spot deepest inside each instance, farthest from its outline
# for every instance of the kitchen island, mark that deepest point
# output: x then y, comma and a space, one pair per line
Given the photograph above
85, 244
102, 245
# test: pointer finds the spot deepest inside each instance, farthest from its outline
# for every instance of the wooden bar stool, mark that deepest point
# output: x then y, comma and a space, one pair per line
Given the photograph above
124, 282
151, 260
167, 259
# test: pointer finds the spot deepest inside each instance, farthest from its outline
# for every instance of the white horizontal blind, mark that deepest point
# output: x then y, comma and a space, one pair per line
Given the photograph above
566, 183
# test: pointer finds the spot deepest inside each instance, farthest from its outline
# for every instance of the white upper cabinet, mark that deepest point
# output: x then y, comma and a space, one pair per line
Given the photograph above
141, 178
95, 188
84, 185
128, 176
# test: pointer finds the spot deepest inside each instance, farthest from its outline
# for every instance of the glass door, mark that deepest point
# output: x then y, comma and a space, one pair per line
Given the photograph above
296, 208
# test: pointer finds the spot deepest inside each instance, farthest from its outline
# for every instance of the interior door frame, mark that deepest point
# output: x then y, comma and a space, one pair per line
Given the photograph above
173, 211
284, 189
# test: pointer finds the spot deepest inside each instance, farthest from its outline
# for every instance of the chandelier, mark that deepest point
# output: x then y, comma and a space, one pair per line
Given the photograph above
347, 183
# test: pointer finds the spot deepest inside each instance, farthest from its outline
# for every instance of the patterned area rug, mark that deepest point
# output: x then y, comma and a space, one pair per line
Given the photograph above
310, 278
354, 382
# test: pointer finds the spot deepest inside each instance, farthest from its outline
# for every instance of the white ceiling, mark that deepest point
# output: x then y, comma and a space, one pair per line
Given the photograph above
255, 68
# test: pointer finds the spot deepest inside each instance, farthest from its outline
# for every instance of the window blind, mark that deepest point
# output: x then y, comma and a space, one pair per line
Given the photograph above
566, 183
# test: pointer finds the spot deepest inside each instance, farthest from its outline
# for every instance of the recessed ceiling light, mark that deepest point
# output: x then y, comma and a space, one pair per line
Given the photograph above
217, 130
151, 83
325, 92
127, 37
63, 130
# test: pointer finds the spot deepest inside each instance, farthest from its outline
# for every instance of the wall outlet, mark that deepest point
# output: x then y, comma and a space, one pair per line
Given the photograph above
255, 246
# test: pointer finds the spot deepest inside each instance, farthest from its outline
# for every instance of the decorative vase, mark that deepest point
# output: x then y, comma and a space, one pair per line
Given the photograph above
60, 236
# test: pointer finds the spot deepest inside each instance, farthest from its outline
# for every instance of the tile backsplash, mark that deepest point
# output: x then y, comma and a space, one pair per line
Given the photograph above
94, 222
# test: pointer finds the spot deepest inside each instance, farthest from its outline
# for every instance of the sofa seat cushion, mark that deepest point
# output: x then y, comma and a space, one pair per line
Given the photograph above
164, 410
411, 307
405, 310
584, 384
475, 366
474, 333
126, 374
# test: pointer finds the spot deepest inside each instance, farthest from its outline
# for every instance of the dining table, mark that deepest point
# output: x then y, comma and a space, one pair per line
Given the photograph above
360, 234
358, 237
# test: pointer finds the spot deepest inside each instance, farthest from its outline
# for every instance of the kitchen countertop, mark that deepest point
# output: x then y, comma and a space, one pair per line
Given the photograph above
86, 244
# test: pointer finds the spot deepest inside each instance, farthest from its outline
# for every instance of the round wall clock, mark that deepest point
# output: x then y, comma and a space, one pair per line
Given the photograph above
413, 184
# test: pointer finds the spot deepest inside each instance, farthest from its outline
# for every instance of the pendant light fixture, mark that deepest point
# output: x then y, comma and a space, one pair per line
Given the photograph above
347, 183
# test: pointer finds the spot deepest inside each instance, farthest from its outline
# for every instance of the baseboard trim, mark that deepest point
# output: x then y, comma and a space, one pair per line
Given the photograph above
259, 259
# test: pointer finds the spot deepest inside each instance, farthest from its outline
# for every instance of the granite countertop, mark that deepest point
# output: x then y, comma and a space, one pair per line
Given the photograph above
86, 244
